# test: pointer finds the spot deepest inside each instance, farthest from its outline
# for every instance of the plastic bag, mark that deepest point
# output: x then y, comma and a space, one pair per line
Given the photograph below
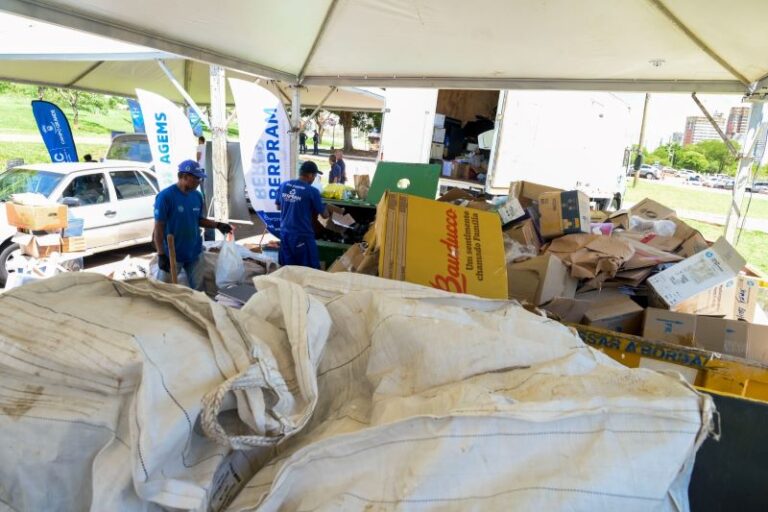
659, 227
230, 269
334, 191
514, 251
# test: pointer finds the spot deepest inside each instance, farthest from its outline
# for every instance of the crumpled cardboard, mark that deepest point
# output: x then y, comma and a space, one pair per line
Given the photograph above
357, 259
652, 210
593, 257
645, 255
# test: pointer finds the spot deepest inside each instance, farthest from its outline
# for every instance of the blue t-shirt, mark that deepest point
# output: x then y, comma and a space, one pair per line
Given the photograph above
337, 174
181, 214
299, 204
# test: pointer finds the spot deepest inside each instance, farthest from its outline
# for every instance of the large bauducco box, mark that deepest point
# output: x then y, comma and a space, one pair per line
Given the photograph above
699, 273
441, 245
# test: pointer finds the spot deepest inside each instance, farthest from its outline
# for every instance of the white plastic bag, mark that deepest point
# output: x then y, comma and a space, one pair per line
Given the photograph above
230, 269
659, 227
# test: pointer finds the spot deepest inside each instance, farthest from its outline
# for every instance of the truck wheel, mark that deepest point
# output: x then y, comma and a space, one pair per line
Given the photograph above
7, 256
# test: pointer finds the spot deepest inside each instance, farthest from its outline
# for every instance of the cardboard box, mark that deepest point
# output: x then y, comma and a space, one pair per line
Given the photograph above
438, 135
437, 151
621, 315
697, 274
751, 294
722, 335
73, 244
441, 245
663, 325
43, 217
651, 210
563, 213
694, 244
568, 310
539, 280
511, 211
719, 300
38, 246
356, 260
524, 233
528, 192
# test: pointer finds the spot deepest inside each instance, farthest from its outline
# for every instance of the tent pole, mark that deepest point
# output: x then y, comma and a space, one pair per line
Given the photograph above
295, 127
641, 141
183, 93
755, 132
219, 144
714, 124
322, 102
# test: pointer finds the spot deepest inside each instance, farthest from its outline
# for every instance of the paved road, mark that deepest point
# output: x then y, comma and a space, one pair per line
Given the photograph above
28, 137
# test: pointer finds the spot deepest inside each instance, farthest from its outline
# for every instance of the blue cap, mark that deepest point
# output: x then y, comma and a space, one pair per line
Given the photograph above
193, 168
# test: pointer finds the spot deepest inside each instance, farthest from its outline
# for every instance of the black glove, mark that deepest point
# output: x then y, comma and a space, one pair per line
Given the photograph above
163, 263
224, 228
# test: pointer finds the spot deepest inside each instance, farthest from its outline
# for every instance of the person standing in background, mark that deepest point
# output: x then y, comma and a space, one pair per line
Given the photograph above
302, 142
200, 155
342, 165
315, 142
336, 174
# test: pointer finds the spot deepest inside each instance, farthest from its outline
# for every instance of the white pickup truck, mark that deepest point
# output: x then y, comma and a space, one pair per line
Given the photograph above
565, 139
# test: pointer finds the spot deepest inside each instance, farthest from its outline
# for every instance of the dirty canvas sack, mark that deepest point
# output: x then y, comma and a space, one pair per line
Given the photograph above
435, 401
140, 395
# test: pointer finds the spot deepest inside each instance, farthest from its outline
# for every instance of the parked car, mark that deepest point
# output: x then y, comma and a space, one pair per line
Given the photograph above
114, 199
760, 187
130, 146
649, 172
694, 179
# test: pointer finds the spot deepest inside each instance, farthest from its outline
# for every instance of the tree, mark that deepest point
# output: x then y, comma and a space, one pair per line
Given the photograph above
689, 158
79, 100
346, 121
717, 154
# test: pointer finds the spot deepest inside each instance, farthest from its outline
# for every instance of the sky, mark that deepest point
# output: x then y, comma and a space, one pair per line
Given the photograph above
667, 113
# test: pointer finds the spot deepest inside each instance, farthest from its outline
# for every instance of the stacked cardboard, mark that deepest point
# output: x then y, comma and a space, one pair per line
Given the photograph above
639, 271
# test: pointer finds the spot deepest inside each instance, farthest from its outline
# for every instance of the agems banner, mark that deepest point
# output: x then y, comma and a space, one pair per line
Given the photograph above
55, 130
170, 137
136, 116
264, 142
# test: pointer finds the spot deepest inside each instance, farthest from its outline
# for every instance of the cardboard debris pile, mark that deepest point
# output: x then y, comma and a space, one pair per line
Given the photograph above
640, 271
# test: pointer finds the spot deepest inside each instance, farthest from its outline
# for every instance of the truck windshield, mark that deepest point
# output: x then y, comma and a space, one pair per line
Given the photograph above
17, 181
134, 150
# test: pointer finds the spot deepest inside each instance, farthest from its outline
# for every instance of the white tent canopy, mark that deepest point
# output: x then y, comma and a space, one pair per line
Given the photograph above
98, 64
640, 45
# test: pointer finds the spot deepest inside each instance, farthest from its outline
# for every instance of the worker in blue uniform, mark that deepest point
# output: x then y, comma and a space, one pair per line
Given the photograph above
180, 211
299, 204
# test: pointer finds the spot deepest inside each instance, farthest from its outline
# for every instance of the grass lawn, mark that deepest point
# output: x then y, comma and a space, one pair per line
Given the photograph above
16, 117
695, 199
34, 152
751, 245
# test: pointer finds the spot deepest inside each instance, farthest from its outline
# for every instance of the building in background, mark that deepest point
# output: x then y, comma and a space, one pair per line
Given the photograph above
698, 128
677, 138
738, 122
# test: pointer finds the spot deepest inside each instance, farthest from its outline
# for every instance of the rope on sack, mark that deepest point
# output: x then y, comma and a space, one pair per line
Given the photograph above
209, 420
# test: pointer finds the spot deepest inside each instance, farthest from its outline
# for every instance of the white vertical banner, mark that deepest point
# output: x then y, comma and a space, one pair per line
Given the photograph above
169, 133
265, 144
